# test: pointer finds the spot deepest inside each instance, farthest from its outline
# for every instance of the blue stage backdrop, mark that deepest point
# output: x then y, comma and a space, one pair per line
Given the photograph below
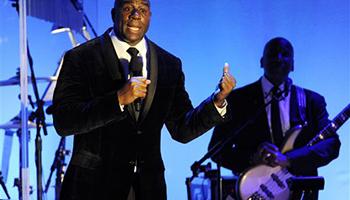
205, 34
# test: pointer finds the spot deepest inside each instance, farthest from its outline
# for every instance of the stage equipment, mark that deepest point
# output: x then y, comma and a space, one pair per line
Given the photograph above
15, 80
203, 187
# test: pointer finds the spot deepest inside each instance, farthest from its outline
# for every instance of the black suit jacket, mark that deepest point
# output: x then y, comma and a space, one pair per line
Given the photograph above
244, 105
107, 140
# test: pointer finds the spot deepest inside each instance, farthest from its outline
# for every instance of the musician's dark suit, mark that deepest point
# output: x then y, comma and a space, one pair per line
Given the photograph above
245, 102
107, 141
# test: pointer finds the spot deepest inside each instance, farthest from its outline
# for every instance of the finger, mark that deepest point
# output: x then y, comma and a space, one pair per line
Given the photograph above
226, 86
264, 148
141, 94
147, 81
140, 82
135, 80
273, 147
141, 88
137, 93
142, 85
139, 79
229, 80
270, 146
270, 158
226, 68
270, 149
263, 145
144, 82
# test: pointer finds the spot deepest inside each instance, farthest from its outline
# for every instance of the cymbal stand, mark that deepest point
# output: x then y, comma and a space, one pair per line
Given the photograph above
58, 164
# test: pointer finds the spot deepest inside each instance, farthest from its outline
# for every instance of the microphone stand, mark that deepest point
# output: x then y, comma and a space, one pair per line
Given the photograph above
40, 122
59, 164
218, 147
2, 183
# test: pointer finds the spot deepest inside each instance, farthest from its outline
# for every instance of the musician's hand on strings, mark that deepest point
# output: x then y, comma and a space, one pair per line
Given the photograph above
269, 154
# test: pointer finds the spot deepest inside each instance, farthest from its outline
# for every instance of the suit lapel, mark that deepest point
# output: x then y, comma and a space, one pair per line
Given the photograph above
115, 68
153, 76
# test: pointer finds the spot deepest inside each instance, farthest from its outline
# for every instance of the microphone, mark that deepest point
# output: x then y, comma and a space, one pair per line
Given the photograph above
136, 70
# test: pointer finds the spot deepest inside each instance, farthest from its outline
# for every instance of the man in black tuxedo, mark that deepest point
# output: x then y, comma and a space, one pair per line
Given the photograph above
114, 94
261, 141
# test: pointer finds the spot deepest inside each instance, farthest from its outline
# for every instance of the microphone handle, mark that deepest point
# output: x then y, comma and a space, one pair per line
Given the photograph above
138, 101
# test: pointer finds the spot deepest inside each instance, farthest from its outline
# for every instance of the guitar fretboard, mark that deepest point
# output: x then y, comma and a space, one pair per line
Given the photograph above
332, 127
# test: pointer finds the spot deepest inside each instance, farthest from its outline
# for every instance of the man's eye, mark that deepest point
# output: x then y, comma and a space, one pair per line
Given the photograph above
127, 9
143, 10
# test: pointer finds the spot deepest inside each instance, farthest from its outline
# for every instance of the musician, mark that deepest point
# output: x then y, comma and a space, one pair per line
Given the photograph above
261, 140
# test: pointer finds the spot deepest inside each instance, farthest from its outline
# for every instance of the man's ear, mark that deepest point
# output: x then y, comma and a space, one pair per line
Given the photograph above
292, 66
113, 14
262, 62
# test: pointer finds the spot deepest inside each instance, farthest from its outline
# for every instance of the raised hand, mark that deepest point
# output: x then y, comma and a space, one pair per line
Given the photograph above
136, 87
226, 85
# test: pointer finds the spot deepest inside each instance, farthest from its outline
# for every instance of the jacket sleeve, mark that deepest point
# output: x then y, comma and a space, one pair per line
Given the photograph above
186, 123
75, 109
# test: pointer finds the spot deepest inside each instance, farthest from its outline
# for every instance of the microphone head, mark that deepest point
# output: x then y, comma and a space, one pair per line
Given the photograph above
49, 110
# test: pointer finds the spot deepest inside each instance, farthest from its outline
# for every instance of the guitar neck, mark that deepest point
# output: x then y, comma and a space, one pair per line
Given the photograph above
332, 127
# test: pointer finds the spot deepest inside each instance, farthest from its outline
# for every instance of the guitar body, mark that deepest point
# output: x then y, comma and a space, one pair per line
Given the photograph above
291, 136
265, 182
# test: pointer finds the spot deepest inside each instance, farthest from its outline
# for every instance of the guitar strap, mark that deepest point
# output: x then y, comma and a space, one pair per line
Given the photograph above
300, 93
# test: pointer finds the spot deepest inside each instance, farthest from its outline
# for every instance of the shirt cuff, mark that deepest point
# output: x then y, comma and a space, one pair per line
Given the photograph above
121, 107
222, 111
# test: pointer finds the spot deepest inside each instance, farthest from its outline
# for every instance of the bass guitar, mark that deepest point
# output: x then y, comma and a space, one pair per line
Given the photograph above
266, 182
